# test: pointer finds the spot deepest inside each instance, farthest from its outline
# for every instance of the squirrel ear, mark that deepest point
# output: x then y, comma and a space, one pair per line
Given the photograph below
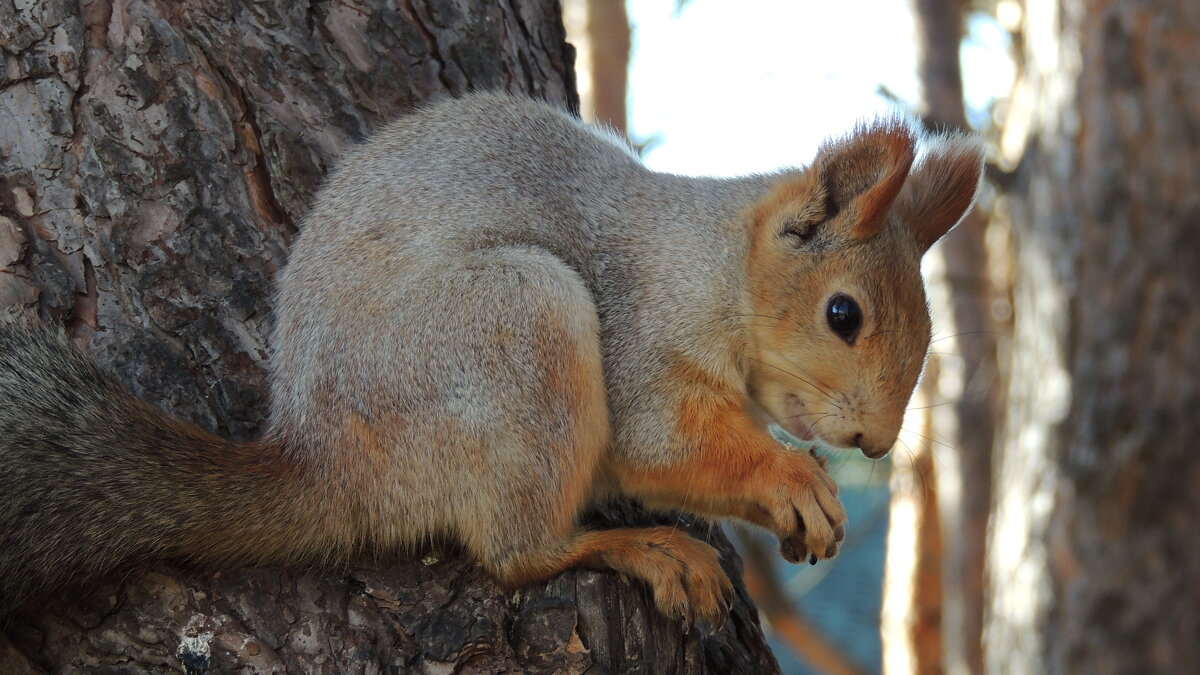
863, 173
852, 182
942, 187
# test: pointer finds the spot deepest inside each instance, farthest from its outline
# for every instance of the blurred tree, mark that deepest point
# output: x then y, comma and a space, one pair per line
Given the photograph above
154, 160
954, 459
1094, 559
609, 33
600, 30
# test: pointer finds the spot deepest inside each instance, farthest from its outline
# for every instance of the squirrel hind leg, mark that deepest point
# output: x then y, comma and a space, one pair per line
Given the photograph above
542, 378
684, 574
537, 406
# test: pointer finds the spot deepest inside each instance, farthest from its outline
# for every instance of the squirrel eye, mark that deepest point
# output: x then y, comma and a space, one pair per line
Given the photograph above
844, 317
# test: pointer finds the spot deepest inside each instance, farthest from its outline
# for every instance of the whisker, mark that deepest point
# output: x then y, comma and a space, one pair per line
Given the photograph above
912, 462
844, 398
769, 302
811, 384
935, 437
934, 338
886, 332
822, 414
813, 424
845, 460
932, 440
759, 316
927, 407
969, 332
785, 396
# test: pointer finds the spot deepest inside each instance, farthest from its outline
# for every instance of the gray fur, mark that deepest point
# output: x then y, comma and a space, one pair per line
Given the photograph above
477, 327
660, 258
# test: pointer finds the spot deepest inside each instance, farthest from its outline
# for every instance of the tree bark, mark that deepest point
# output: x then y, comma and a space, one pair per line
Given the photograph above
155, 159
966, 335
1095, 554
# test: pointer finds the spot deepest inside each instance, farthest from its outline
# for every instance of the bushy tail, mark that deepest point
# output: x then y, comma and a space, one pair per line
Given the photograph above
92, 479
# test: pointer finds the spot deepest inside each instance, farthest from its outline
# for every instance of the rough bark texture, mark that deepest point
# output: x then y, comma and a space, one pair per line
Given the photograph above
1095, 555
438, 614
154, 160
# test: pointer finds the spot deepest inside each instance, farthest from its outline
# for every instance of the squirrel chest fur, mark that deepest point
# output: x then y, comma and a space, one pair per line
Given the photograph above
494, 316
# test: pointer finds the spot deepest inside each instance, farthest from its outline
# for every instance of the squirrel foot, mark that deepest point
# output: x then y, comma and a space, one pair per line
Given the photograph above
684, 573
685, 576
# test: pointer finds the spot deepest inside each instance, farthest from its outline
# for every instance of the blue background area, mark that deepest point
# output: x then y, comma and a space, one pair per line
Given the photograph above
844, 597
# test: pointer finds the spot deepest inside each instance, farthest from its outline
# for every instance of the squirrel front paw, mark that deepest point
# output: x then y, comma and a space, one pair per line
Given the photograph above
804, 509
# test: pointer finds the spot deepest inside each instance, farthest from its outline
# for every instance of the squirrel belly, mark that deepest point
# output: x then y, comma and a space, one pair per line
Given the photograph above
493, 316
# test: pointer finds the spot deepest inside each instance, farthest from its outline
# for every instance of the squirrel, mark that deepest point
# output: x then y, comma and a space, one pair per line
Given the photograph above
493, 317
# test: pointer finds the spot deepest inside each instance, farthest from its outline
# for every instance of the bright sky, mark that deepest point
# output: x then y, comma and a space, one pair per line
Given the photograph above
729, 87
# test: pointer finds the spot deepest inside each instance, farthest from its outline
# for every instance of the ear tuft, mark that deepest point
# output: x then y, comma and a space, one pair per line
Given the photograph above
846, 194
942, 186
864, 172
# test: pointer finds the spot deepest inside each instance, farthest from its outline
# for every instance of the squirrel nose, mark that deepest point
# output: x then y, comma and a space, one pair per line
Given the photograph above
869, 449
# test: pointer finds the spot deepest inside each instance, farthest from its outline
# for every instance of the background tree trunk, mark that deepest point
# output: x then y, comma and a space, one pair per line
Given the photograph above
600, 30
155, 158
962, 369
1095, 550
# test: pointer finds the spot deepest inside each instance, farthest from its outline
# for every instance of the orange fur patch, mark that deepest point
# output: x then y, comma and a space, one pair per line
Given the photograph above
726, 450
574, 376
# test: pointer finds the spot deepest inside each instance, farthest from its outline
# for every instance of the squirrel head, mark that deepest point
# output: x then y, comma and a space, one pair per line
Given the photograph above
837, 315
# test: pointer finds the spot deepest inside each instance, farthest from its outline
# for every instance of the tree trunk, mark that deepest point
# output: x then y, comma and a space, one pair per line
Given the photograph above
609, 37
155, 158
961, 436
1095, 553
600, 30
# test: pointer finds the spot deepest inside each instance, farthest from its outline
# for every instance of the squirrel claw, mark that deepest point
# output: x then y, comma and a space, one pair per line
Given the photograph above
811, 521
792, 549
